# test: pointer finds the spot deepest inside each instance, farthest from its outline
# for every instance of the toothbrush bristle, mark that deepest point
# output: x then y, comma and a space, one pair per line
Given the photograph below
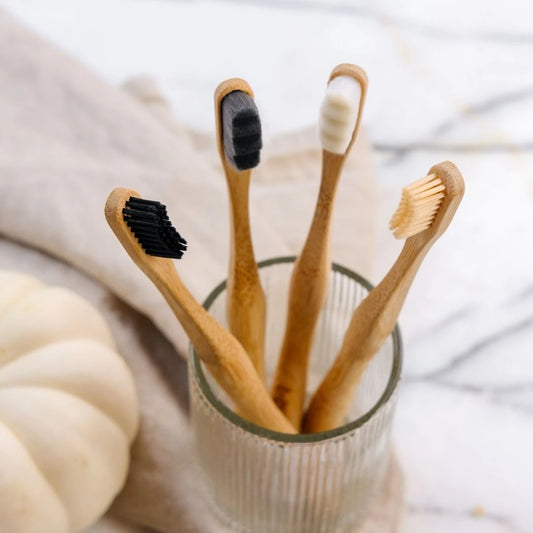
241, 130
338, 114
419, 204
149, 223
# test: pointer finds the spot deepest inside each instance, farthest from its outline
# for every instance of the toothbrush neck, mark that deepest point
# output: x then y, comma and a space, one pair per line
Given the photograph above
331, 171
332, 165
241, 249
402, 273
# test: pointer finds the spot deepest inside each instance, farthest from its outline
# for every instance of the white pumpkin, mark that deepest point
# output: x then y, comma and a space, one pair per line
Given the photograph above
68, 410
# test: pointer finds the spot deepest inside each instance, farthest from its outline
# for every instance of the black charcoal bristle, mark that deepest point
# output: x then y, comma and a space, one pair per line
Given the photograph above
246, 161
241, 130
149, 223
247, 145
246, 122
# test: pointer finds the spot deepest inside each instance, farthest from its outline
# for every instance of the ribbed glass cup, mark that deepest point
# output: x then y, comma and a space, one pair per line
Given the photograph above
260, 481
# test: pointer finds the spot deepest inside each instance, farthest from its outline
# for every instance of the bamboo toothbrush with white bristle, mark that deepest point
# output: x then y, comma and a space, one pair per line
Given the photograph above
425, 211
340, 118
144, 230
239, 142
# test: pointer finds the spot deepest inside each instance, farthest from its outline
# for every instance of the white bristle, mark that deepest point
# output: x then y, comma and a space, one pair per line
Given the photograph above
338, 114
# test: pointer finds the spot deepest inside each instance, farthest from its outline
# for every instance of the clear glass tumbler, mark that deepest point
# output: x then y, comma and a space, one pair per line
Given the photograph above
260, 481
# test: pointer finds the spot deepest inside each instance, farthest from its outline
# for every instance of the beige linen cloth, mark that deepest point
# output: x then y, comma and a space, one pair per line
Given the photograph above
66, 140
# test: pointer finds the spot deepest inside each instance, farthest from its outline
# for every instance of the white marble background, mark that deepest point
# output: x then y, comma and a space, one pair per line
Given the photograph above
449, 79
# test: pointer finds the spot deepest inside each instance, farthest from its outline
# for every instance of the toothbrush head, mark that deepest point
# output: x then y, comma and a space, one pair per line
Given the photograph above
241, 130
149, 223
429, 203
341, 109
338, 114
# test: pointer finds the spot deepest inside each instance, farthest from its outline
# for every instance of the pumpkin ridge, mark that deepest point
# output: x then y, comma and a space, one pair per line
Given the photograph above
69, 408
130, 432
62, 391
119, 431
37, 467
44, 345
73, 316
22, 294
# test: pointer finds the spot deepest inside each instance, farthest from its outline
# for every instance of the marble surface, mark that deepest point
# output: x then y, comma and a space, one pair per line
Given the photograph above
450, 80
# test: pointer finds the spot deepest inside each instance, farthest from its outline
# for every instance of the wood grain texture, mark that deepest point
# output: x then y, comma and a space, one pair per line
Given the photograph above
223, 355
309, 281
374, 319
245, 302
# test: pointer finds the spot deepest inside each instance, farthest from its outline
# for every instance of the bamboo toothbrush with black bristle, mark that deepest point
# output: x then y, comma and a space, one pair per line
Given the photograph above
239, 144
425, 211
144, 230
340, 118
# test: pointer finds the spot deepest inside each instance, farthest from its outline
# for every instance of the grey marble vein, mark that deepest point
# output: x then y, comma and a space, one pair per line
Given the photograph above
475, 389
447, 321
487, 106
398, 151
524, 294
478, 347
426, 30
494, 394
404, 149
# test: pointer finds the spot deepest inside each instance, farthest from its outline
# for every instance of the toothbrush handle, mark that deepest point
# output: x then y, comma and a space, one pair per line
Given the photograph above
371, 323
245, 304
223, 355
374, 319
308, 288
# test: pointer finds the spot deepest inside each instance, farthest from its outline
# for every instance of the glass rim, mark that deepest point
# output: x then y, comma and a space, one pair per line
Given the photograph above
234, 418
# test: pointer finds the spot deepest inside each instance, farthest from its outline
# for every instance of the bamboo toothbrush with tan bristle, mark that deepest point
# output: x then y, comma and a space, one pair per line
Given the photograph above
144, 230
239, 142
425, 211
340, 118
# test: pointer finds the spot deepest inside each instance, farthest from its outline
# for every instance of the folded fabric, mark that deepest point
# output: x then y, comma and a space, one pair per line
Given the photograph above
66, 140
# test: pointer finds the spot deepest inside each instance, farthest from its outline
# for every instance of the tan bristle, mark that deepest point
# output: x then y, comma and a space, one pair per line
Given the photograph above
418, 207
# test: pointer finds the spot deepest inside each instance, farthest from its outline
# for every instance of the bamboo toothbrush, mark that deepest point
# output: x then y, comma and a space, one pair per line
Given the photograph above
146, 233
239, 141
425, 211
340, 118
